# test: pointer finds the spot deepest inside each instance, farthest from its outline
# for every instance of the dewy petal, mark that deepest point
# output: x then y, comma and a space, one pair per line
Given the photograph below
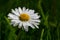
25, 26
12, 16
15, 12
20, 10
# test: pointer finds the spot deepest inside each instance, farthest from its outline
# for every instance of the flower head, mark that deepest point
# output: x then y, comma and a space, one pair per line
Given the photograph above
24, 18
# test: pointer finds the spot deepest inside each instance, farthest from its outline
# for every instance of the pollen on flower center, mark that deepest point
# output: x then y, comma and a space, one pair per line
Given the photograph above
24, 17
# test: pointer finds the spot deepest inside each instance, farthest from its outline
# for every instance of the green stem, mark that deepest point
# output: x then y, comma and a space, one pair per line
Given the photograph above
40, 8
6, 19
48, 34
42, 34
44, 18
58, 32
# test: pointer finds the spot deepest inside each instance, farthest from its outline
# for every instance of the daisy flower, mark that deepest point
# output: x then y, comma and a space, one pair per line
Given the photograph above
24, 18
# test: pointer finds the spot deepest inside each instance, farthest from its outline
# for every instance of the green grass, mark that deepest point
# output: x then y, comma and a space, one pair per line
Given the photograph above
49, 28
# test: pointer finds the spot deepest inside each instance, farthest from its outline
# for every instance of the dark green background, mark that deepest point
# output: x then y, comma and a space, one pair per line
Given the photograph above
49, 28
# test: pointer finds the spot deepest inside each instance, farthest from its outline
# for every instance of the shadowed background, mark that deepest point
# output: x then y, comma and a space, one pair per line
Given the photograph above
49, 28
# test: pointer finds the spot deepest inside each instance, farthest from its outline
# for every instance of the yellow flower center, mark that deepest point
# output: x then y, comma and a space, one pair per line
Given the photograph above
24, 17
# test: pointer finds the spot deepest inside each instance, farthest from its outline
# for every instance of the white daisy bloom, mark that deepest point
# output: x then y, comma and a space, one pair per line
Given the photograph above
24, 18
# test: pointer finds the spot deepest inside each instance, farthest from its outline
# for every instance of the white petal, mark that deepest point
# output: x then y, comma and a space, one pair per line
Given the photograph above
20, 25
12, 16
37, 15
25, 26
15, 21
36, 26
30, 25
31, 12
20, 10
36, 23
15, 12
12, 23
24, 9
35, 20
15, 24
34, 17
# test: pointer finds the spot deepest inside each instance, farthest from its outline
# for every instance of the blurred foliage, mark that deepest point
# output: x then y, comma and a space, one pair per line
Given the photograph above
49, 28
